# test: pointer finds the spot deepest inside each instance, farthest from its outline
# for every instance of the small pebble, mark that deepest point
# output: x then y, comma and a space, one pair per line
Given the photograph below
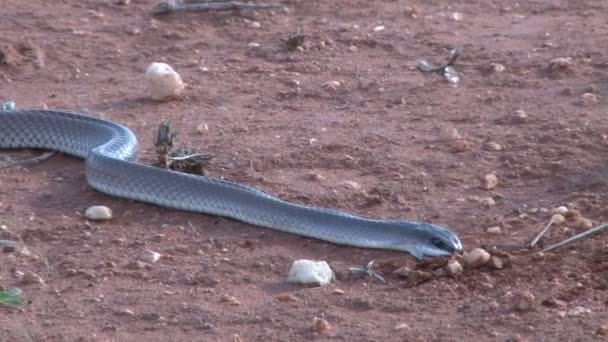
379, 28
315, 177
558, 219
562, 210
98, 213
521, 116
476, 258
310, 272
563, 65
319, 325
583, 223
493, 305
602, 330
338, 292
459, 146
202, 129
454, 267
123, 2
496, 263
579, 311
456, 16
487, 202
489, 181
124, 312
494, 230
497, 67
450, 134
401, 326
523, 300
230, 300
331, 85
287, 297
163, 82
589, 99
149, 256
492, 146
31, 278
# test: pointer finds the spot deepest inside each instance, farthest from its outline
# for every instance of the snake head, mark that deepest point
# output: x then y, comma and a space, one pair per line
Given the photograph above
429, 240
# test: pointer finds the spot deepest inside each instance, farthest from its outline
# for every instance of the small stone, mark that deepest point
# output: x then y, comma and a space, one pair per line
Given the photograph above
149, 256
310, 272
496, 263
493, 305
255, 24
497, 67
338, 292
589, 99
163, 82
403, 271
558, 219
456, 16
315, 177
254, 45
124, 312
29, 278
523, 300
379, 28
320, 325
123, 2
487, 202
454, 268
579, 311
230, 300
3, 227
494, 230
450, 134
459, 146
492, 146
202, 129
350, 184
583, 223
602, 330
476, 258
520, 116
562, 210
489, 181
287, 297
401, 326
331, 85
561, 65
98, 213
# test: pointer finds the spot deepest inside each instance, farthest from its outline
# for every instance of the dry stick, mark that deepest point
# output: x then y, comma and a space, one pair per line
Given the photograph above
29, 161
577, 237
175, 6
540, 234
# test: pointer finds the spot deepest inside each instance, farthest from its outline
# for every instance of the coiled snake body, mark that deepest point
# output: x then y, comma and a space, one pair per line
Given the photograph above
110, 151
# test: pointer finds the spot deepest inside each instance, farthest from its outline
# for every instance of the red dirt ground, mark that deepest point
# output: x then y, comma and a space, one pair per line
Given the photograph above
381, 128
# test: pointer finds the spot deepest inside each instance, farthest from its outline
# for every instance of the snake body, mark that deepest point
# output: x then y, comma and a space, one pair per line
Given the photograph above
110, 152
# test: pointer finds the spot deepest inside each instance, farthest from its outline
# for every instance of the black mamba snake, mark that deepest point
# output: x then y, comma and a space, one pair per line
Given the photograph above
110, 152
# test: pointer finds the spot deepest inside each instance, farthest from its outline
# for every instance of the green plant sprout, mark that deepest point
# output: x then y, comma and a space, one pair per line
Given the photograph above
8, 297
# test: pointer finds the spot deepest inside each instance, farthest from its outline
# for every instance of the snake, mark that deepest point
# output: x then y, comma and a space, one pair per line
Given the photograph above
110, 151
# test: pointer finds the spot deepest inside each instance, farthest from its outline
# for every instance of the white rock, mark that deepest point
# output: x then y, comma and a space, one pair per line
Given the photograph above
149, 256
163, 81
494, 230
310, 272
98, 213
454, 267
562, 210
558, 219
476, 258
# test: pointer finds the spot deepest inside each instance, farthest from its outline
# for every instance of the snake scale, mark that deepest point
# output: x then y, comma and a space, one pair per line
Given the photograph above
110, 153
